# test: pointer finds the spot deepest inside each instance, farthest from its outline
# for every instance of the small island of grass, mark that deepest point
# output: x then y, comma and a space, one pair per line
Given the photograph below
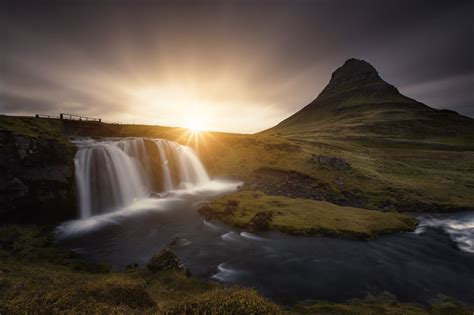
256, 211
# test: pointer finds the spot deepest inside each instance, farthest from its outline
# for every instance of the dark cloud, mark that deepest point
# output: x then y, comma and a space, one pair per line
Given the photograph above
88, 56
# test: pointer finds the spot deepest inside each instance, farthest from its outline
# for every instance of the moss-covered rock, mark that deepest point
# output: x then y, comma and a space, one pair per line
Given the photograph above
260, 221
166, 260
36, 171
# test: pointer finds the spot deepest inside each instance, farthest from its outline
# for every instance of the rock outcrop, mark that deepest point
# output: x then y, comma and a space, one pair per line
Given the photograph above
36, 179
166, 260
331, 162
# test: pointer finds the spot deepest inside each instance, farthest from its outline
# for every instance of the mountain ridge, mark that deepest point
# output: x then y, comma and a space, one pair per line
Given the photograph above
358, 101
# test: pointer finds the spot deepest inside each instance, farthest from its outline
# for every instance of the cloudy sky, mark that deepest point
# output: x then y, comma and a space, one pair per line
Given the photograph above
238, 66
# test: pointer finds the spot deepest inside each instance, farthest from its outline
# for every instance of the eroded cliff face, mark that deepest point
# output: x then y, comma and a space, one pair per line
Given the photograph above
36, 179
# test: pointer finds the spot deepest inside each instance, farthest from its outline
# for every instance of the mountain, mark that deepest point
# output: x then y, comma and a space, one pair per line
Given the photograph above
358, 102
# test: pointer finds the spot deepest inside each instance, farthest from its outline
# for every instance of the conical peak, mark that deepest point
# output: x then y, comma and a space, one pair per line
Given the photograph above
354, 70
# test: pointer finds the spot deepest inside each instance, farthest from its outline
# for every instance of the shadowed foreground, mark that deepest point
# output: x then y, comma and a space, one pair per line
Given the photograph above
38, 277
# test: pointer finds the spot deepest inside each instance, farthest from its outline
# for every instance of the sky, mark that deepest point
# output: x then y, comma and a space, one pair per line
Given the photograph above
237, 66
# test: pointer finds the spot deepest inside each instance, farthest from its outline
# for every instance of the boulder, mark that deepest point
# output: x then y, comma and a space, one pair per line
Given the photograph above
166, 260
179, 241
260, 221
333, 162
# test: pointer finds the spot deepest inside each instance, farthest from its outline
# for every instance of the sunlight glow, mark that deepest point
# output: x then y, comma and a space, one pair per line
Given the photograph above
196, 125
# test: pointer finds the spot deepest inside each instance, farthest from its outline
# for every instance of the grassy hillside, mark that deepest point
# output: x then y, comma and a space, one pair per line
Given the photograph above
403, 155
385, 174
357, 102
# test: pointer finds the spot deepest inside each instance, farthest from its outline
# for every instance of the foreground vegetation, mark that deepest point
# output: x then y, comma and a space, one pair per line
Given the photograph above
257, 211
38, 277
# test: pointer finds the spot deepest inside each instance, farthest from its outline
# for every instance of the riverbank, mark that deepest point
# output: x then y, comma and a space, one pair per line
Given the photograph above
37, 276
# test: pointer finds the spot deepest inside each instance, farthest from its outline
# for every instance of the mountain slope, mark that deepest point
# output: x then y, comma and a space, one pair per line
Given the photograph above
357, 102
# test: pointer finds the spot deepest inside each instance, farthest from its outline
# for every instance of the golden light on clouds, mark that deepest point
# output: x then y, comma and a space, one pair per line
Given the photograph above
198, 108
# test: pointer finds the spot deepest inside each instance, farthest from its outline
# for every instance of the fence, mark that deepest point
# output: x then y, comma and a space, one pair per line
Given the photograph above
63, 116
47, 116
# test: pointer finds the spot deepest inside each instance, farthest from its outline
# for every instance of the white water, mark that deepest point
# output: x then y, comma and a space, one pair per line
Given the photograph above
113, 174
459, 227
167, 181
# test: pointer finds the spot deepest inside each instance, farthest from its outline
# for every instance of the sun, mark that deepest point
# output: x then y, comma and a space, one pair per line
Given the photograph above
195, 133
196, 125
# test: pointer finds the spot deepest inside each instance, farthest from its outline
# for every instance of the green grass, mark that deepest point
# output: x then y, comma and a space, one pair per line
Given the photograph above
392, 173
39, 128
33, 127
304, 217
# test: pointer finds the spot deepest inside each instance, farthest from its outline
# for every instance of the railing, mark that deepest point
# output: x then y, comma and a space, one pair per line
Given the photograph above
63, 116
78, 117
47, 116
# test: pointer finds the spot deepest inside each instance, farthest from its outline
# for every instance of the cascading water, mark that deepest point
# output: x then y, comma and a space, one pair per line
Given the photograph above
112, 174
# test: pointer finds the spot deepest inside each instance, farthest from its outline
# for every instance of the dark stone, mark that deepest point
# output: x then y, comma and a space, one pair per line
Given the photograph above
36, 179
332, 162
231, 206
340, 182
166, 260
261, 221
298, 185
179, 241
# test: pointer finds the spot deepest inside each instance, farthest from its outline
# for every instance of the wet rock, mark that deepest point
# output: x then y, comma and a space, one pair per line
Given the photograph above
332, 162
166, 260
261, 221
36, 179
179, 241
160, 195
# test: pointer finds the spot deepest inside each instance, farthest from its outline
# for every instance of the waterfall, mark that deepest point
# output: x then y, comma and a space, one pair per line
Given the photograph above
167, 181
112, 174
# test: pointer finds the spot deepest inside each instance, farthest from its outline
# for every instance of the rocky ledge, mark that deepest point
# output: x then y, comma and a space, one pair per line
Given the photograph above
36, 179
